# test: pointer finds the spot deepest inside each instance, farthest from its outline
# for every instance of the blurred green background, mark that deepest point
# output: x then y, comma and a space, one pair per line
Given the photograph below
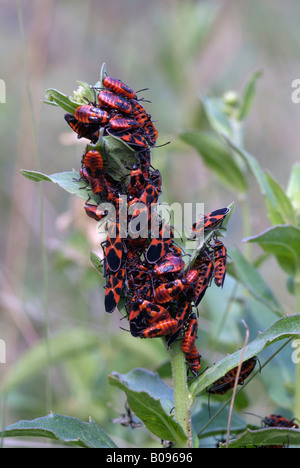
180, 50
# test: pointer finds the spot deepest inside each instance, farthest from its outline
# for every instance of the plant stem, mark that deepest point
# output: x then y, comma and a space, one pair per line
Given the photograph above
245, 210
181, 392
42, 233
297, 386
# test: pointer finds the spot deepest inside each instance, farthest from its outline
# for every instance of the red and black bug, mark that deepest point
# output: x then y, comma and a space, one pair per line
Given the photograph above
137, 182
135, 140
275, 420
91, 114
194, 361
161, 328
145, 162
136, 244
167, 292
136, 319
220, 255
94, 212
205, 268
148, 197
226, 383
139, 112
192, 276
89, 131
92, 161
144, 313
113, 290
182, 316
118, 87
113, 247
183, 313
170, 290
210, 221
150, 133
175, 250
113, 101
155, 179
169, 263
97, 184
154, 312
190, 335
159, 246
120, 123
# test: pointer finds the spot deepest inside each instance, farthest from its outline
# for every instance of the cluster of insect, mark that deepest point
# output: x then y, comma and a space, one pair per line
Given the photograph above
119, 112
160, 288
161, 291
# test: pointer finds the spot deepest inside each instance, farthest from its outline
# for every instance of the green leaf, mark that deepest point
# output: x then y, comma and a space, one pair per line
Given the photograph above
63, 428
68, 181
152, 401
35, 176
97, 262
267, 436
118, 156
293, 188
247, 274
217, 158
53, 96
36, 359
216, 116
285, 327
219, 232
84, 94
248, 96
103, 73
284, 209
283, 242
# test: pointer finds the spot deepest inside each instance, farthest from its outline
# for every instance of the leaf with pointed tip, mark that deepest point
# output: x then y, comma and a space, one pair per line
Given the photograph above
217, 158
63, 428
283, 212
152, 402
55, 97
293, 189
283, 242
268, 436
286, 327
248, 96
216, 116
97, 262
69, 181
